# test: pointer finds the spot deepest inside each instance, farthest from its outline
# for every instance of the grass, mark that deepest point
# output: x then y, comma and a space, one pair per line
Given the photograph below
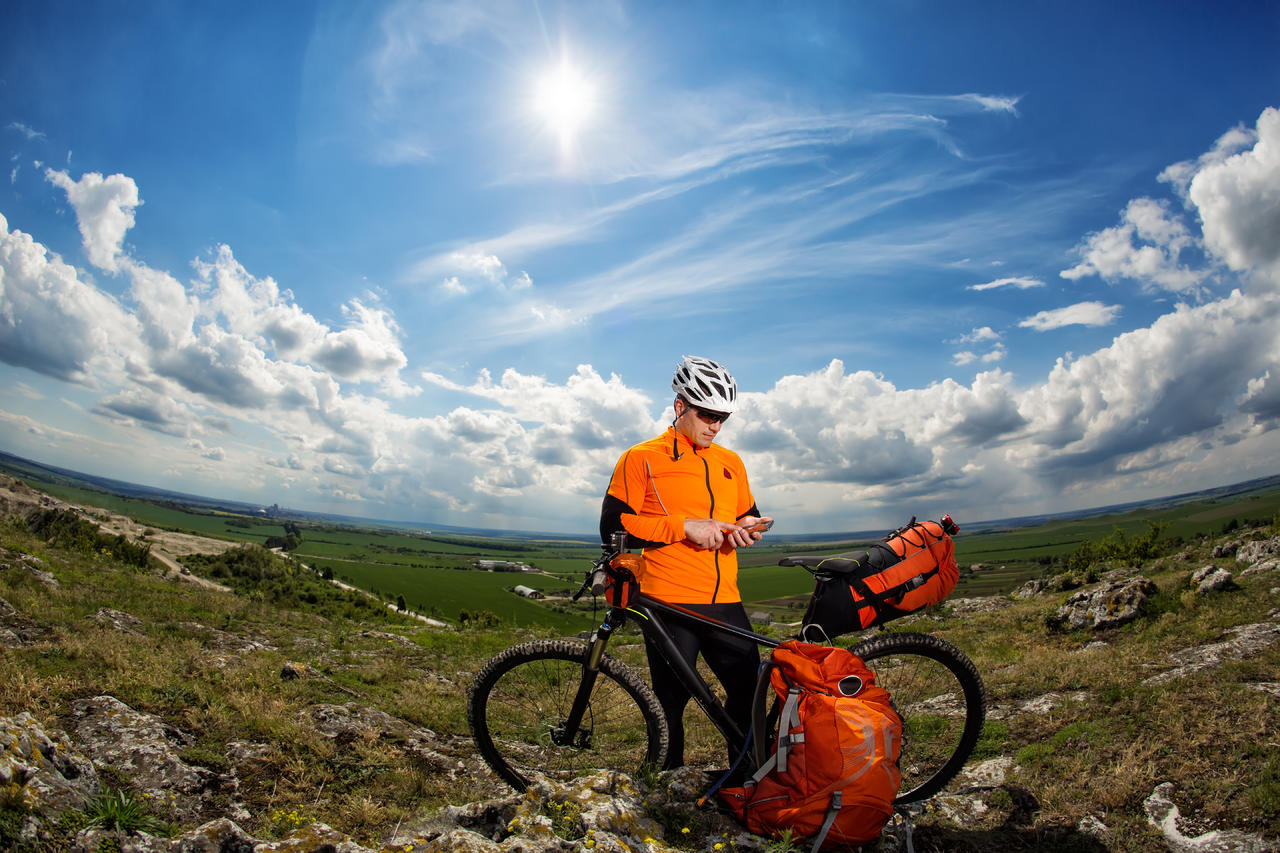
191, 663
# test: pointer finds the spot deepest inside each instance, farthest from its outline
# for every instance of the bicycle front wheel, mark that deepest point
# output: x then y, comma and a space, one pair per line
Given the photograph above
938, 693
521, 698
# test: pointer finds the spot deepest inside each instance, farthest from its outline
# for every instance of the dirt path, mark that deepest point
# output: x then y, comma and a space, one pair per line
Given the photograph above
166, 546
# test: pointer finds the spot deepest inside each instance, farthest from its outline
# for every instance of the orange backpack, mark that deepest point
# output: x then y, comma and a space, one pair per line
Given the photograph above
914, 567
832, 772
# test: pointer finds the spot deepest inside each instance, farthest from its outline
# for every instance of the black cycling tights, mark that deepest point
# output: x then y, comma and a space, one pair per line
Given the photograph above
734, 660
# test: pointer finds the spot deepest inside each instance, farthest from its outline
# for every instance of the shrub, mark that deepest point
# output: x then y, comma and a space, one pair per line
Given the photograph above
65, 529
1118, 548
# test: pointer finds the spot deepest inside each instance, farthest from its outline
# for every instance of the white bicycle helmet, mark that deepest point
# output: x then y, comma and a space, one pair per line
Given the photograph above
705, 384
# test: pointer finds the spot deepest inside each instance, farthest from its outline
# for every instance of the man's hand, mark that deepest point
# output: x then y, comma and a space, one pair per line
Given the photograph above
741, 535
706, 533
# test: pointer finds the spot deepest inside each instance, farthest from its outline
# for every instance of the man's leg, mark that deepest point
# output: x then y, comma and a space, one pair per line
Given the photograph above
672, 695
736, 663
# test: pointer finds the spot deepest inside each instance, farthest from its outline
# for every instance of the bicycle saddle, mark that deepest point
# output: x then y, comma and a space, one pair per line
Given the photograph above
844, 564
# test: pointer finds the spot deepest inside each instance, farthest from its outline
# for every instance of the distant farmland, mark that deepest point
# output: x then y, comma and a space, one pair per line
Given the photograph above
437, 576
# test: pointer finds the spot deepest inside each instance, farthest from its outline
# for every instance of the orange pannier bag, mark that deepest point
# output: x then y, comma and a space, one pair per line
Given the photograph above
829, 771
914, 567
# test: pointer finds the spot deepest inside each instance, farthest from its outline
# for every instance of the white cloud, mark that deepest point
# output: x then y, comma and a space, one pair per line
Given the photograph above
978, 335
152, 411
104, 210
1238, 199
472, 270
1146, 247
1179, 378
1080, 314
1020, 282
52, 322
26, 131
964, 357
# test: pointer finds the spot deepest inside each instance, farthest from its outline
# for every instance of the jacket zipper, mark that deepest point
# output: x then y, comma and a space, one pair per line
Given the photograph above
715, 556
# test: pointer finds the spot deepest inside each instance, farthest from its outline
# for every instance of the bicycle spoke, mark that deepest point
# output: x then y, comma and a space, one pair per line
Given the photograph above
938, 694
523, 699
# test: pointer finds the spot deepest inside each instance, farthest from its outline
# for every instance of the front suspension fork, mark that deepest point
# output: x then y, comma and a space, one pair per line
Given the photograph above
570, 732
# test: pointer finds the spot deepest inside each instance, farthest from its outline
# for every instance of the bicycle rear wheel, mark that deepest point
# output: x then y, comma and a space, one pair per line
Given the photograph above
937, 691
520, 699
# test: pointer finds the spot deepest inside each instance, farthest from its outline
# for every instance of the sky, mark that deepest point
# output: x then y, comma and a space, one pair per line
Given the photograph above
436, 261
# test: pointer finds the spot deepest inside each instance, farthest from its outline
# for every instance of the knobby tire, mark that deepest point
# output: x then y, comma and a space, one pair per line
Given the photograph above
521, 696
937, 691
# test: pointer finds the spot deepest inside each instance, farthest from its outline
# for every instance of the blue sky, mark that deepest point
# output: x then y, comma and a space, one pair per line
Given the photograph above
436, 261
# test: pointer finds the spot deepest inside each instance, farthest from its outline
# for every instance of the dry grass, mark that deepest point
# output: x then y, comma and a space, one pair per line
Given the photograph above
1211, 734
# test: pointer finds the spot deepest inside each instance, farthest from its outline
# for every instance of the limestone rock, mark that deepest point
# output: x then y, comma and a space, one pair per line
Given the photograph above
141, 748
1030, 589
43, 768
1164, 815
1258, 551
1107, 605
346, 723
1225, 549
1248, 640
122, 622
1211, 579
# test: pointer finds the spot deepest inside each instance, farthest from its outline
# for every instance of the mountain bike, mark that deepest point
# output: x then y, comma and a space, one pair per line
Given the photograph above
563, 707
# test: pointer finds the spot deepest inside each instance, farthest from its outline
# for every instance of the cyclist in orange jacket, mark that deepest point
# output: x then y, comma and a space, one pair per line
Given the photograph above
687, 503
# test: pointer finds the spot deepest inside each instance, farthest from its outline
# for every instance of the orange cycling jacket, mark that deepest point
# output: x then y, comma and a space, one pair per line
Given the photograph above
658, 484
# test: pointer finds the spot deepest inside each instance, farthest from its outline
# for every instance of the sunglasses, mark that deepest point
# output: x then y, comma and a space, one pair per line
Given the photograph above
709, 417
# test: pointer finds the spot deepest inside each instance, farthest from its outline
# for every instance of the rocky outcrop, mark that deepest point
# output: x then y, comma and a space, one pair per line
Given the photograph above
1164, 815
43, 769
350, 722
1258, 551
31, 566
18, 630
143, 749
1246, 640
1210, 578
1107, 605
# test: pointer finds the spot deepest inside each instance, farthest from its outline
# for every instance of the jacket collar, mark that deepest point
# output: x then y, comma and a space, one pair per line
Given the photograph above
680, 443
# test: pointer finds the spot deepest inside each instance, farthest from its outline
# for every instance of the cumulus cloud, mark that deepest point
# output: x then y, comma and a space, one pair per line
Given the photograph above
472, 269
1080, 314
235, 353
1020, 282
996, 353
104, 210
1146, 247
1181, 377
978, 336
1233, 189
151, 411
52, 322
1238, 199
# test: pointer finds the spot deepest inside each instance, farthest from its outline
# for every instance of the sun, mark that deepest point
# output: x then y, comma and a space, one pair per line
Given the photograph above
564, 99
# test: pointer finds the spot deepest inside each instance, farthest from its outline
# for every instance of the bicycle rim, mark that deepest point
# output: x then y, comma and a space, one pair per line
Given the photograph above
521, 698
938, 693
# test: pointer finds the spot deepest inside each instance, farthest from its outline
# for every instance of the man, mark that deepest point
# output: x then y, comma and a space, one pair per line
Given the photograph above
686, 502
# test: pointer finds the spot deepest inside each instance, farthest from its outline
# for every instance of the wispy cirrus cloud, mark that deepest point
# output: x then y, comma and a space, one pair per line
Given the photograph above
1018, 283
25, 130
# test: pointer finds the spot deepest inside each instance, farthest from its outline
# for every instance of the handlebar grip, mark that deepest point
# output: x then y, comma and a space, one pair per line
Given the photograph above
599, 582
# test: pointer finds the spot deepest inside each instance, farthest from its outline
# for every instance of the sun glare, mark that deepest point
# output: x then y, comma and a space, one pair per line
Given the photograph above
564, 99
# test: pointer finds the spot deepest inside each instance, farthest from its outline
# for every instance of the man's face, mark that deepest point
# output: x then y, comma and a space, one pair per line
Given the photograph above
698, 425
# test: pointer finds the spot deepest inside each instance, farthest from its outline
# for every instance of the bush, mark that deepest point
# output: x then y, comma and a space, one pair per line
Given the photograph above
66, 529
1118, 548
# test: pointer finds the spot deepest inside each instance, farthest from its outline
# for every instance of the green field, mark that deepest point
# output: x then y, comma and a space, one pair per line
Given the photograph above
437, 575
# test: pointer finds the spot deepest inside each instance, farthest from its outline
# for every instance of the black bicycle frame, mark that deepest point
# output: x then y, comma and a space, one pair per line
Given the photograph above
650, 611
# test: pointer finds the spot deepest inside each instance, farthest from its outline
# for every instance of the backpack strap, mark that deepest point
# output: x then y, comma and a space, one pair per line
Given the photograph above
832, 814
789, 719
